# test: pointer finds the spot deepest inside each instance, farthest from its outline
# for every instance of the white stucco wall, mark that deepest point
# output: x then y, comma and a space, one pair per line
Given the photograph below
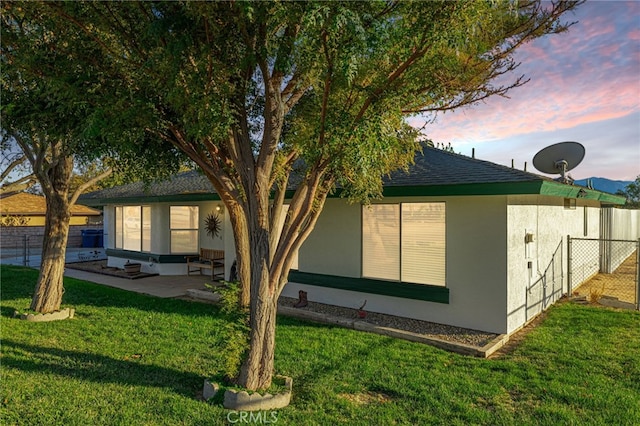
550, 223
335, 245
475, 262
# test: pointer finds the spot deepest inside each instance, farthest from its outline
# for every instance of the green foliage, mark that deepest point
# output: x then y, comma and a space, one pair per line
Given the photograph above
236, 328
141, 75
632, 194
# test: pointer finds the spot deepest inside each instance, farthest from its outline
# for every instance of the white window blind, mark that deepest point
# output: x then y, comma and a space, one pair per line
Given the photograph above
381, 241
423, 243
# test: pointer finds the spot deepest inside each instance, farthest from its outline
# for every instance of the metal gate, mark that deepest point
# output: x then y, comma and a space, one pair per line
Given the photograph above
605, 270
547, 289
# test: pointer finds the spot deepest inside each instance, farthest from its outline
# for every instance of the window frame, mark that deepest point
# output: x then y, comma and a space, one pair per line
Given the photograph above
196, 229
402, 241
120, 232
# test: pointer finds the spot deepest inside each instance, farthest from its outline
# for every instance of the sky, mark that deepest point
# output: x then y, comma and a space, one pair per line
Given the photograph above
584, 87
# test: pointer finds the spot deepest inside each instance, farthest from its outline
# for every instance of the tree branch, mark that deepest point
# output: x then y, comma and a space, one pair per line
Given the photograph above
87, 184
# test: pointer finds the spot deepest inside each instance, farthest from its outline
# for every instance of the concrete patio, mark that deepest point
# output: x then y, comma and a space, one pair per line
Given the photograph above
165, 286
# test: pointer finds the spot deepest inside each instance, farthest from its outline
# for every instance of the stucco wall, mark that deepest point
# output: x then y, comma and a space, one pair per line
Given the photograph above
335, 245
547, 219
475, 262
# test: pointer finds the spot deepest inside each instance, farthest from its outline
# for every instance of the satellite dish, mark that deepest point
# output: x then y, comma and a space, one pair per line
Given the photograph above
559, 158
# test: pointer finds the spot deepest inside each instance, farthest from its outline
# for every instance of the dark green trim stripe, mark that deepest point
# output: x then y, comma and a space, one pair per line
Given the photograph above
502, 188
541, 187
429, 293
157, 258
176, 198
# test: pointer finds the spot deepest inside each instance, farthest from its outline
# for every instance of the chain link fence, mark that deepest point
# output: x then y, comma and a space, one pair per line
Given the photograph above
605, 270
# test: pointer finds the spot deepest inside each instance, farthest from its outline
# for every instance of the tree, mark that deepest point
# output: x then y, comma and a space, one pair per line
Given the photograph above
13, 176
269, 96
44, 116
632, 193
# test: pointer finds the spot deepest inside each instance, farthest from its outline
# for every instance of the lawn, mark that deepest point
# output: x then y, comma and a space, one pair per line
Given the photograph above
130, 359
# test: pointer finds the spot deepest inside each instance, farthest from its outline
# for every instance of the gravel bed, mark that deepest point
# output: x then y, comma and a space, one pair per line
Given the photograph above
430, 329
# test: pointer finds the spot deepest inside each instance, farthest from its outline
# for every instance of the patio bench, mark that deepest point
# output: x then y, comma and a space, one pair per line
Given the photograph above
208, 259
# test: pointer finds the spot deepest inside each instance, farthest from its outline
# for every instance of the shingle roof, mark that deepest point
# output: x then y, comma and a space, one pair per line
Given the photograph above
25, 204
438, 167
191, 182
434, 171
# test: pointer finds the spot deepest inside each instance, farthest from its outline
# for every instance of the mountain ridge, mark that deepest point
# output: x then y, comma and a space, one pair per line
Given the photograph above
605, 185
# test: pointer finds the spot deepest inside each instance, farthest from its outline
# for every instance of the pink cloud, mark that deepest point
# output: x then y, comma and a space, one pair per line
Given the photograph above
582, 81
634, 34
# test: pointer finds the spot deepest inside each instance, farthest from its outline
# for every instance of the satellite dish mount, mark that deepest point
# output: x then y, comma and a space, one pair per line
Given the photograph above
559, 158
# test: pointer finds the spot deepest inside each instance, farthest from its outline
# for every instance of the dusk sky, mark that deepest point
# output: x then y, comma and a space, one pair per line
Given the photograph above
585, 87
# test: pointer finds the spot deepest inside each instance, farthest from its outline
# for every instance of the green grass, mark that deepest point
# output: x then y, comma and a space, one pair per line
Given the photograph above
130, 359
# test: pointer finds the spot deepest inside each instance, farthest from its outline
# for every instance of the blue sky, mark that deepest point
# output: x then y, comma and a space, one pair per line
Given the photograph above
585, 87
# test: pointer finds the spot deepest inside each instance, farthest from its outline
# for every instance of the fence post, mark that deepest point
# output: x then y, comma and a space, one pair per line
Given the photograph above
638, 275
24, 249
568, 265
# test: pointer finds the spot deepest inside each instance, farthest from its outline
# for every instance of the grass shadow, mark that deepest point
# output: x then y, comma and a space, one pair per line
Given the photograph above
84, 366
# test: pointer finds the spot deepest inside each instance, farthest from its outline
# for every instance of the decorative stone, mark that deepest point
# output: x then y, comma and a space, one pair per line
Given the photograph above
203, 295
209, 390
242, 401
53, 316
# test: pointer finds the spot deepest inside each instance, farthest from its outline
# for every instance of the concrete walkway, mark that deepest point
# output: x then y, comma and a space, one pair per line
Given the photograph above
166, 286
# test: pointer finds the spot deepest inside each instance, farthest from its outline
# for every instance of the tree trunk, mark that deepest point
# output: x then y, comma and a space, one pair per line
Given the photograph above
257, 369
48, 293
49, 289
241, 239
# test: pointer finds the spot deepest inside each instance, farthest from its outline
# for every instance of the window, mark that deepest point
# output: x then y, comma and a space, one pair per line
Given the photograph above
133, 228
381, 241
404, 242
184, 229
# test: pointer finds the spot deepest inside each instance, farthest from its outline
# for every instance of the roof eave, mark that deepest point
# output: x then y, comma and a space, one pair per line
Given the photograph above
146, 199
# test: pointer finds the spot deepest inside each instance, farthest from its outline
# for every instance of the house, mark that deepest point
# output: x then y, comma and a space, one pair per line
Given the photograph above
22, 218
456, 240
30, 209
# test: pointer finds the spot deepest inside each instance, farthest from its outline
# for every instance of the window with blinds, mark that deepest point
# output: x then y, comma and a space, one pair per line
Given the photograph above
381, 241
404, 242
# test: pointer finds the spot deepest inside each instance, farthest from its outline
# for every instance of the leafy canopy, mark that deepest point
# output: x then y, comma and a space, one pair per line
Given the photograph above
347, 74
